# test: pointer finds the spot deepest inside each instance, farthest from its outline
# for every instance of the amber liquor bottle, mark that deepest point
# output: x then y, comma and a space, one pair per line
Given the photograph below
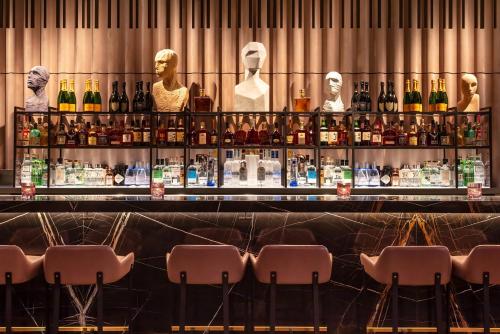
228, 138
202, 135
127, 134
202, 103
161, 135
171, 133
213, 134
291, 134
302, 102
276, 136
179, 138
264, 135
253, 135
240, 136
301, 136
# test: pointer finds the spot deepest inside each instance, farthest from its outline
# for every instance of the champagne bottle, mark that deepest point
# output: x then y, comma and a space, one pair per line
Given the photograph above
389, 98
381, 99
416, 101
361, 98
368, 99
71, 96
138, 103
88, 98
97, 97
114, 99
433, 97
124, 99
355, 98
442, 97
63, 97
395, 102
148, 98
407, 97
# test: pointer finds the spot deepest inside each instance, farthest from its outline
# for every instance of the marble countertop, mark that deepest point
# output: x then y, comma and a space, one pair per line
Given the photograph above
251, 203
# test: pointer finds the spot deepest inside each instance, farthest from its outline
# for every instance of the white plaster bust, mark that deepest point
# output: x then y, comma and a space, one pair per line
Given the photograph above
37, 80
253, 93
334, 102
169, 95
470, 98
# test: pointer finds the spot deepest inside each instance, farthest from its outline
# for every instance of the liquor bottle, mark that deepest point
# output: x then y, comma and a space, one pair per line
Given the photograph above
192, 173
202, 103
148, 98
124, 99
312, 137
192, 133
301, 136
261, 172
323, 133
102, 135
243, 173
391, 101
83, 135
97, 97
469, 135
366, 133
381, 99
442, 97
357, 133
290, 135
407, 97
389, 136
264, 135
368, 99
137, 133
161, 135
146, 133
376, 139
114, 135
362, 98
213, 134
228, 138
138, 102
92, 136
432, 97
342, 135
276, 136
423, 136
355, 98
127, 134
386, 177
416, 98
240, 136
302, 103
179, 138
252, 135
312, 174
44, 132
63, 97
88, 97
413, 135
202, 135
114, 99
333, 135
433, 135
444, 136
71, 136
71, 96
35, 135
402, 134
171, 133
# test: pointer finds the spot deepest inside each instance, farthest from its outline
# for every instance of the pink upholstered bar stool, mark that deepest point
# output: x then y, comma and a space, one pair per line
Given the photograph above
205, 265
83, 265
481, 266
15, 268
293, 264
411, 266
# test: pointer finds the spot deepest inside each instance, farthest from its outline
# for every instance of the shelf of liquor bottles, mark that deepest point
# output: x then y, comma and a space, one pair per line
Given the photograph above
283, 149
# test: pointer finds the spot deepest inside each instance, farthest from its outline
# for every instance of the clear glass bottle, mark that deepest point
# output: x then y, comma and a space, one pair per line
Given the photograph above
261, 173
243, 173
311, 174
228, 169
192, 173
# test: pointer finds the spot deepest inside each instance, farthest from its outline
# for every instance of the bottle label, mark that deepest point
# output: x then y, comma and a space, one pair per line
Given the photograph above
146, 137
386, 179
413, 141
445, 140
367, 136
123, 107
115, 142
432, 107
301, 138
357, 136
417, 107
88, 107
171, 136
227, 141
289, 139
83, 139
333, 137
202, 139
63, 107
180, 137
92, 141
213, 140
115, 106
323, 137
275, 141
61, 140
406, 107
381, 107
389, 106
126, 138
137, 137
442, 107
376, 138
71, 107
97, 107
119, 178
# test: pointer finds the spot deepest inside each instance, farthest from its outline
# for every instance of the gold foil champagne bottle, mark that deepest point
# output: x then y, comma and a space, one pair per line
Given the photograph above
72, 96
416, 101
433, 97
407, 97
63, 97
97, 97
442, 97
88, 97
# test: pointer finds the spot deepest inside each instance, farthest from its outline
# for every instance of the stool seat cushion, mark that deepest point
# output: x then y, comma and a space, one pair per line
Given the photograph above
481, 259
293, 264
79, 264
415, 265
205, 264
22, 267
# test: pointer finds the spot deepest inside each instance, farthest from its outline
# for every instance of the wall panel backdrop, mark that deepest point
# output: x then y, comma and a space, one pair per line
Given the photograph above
363, 39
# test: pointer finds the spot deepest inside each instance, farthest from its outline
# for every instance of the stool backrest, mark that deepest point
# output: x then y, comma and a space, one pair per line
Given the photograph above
13, 260
415, 265
79, 264
482, 259
293, 264
205, 264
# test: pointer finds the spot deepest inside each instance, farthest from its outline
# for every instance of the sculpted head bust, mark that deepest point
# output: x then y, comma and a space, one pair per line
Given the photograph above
470, 98
253, 56
334, 102
168, 94
38, 77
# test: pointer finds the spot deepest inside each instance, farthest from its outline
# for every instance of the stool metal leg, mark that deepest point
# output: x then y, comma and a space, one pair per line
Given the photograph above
395, 313
447, 308
182, 304
99, 287
486, 303
272, 304
131, 306
8, 303
315, 302
56, 296
225, 301
439, 302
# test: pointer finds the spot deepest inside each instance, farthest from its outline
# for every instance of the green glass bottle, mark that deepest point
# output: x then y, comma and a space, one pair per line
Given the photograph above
71, 96
416, 98
88, 97
442, 100
63, 97
407, 97
97, 97
433, 97
35, 135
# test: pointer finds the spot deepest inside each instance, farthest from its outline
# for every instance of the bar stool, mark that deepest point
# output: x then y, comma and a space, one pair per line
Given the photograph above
481, 266
411, 266
293, 264
15, 268
83, 265
205, 265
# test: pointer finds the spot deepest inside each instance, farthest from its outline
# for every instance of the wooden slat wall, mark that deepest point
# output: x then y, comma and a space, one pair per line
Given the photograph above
363, 39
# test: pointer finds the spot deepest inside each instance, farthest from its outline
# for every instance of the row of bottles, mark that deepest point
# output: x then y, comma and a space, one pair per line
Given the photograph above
252, 168
31, 133
301, 171
169, 172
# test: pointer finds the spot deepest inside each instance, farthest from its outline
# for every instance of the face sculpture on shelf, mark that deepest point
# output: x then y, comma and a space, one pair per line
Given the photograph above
334, 102
169, 95
253, 93
470, 98
38, 77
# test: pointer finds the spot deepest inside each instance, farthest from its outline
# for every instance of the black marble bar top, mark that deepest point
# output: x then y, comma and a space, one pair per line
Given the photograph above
251, 203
